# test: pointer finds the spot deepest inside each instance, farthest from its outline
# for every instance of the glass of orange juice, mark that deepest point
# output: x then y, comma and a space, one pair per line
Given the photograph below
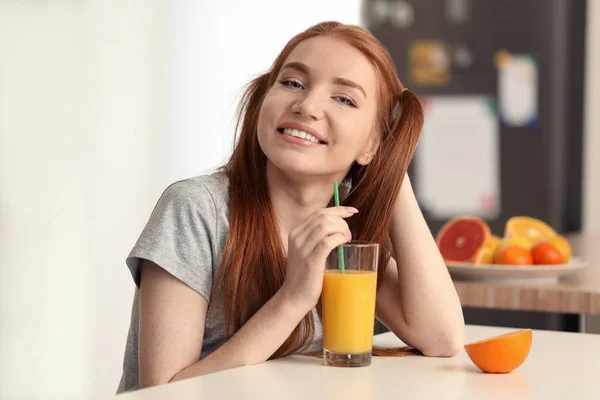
349, 304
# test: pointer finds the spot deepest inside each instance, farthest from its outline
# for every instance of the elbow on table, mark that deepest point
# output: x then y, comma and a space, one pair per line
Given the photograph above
447, 350
447, 347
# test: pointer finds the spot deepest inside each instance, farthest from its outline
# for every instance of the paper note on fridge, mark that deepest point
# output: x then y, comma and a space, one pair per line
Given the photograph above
517, 89
457, 160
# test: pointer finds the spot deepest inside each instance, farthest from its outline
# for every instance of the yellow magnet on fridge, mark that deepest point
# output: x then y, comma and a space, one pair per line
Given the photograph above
501, 59
429, 63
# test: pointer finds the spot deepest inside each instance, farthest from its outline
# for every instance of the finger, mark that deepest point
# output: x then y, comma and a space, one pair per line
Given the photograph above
319, 230
326, 246
340, 211
306, 226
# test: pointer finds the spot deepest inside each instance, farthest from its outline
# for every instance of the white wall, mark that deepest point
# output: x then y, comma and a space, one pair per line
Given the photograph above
128, 167
79, 172
43, 178
591, 184
213, 50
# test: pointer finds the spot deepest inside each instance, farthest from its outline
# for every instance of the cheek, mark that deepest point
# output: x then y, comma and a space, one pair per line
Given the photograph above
354, 130
267, 122
269, 111
264, 117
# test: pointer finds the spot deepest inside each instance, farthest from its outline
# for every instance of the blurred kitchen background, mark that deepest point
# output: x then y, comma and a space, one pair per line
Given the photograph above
104, 103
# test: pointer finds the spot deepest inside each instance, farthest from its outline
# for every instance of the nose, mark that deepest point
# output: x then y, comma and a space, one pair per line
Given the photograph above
310, 105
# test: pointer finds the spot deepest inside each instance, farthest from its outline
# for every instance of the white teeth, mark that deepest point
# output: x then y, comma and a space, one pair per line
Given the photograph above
300, 134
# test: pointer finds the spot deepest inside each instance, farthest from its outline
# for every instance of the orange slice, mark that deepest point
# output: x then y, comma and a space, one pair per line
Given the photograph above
501, 354
527, 227
461, 238
518, 241
493, 242
485, 255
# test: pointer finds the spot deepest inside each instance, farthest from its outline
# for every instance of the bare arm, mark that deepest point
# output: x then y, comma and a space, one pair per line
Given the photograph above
172, 319
172, 315
417, 299
256, 340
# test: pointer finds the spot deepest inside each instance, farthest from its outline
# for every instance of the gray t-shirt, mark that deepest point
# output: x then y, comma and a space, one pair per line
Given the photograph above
185, 235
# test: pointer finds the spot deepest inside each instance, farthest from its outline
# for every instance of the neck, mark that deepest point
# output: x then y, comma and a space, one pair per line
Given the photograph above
295, 198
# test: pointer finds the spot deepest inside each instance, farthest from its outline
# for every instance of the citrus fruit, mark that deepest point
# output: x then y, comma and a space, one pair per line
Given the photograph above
461, 238
528, 227
501, 354
561, 244
515, 241
485, 255
544, 253
493, 242
513, 255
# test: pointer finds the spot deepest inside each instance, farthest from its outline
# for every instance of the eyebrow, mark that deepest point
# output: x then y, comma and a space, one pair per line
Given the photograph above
338, 81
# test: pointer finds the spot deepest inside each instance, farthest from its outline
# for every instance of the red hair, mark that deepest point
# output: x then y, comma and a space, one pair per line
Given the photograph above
253, 265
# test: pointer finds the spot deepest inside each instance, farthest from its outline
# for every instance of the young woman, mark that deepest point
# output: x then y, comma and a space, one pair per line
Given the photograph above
229, 268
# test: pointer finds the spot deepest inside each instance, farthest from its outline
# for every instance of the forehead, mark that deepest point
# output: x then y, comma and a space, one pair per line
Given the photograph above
329, 57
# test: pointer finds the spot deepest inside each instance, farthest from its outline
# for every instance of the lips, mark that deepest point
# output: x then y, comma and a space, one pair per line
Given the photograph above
301, 128
300, 135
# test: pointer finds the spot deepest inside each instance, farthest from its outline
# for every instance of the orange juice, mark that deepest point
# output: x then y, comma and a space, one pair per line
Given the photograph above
349, 311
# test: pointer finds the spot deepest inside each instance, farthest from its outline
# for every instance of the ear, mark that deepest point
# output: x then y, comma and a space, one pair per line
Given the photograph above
366, 156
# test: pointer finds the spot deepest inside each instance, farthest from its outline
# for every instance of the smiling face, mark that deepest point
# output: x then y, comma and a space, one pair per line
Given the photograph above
318, 117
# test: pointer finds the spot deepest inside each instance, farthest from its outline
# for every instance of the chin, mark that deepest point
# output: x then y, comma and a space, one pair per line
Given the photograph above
294, 167
293, 163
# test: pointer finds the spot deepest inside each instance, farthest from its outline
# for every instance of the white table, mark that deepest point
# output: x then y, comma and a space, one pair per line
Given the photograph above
560, 365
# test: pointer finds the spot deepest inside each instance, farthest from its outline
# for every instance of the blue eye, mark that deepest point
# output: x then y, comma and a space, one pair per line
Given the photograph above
346, 101
292, 83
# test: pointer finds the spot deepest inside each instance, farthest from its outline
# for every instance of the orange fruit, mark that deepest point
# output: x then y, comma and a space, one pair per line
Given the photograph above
561, 244
545, 253
515, 241
485, 255
461, 238
501, 354
493, 243
533, 229
514, 255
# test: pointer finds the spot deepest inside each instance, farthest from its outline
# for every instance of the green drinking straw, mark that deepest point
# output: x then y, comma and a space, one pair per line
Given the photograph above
336, 196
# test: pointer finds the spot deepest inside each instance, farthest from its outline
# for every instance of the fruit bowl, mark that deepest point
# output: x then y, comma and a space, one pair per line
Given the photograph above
516, 273
529, 249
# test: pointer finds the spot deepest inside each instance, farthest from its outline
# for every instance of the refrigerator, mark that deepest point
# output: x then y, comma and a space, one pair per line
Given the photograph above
502, 83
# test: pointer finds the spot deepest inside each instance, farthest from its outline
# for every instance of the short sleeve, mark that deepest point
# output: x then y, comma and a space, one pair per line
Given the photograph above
179, 237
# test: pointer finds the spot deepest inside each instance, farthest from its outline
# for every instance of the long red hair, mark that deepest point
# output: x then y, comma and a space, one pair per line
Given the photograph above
253, 265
